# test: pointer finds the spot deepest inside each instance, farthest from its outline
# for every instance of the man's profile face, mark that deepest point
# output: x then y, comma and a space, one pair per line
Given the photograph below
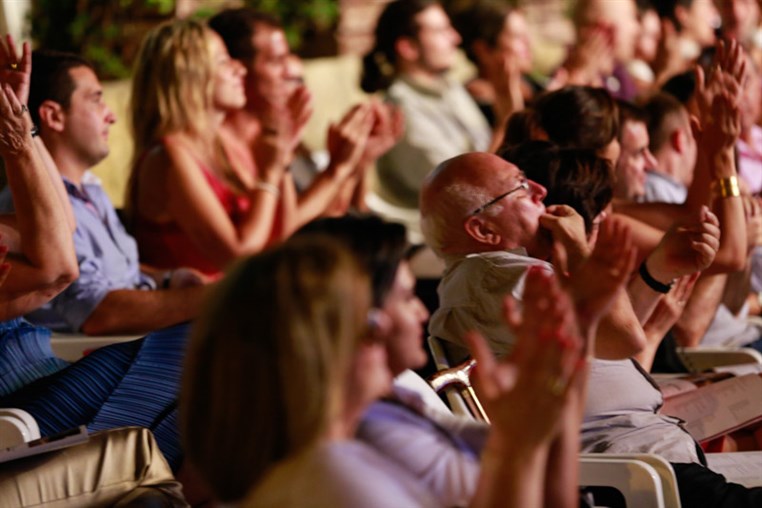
633, 161
437, 40
267, 79
88, 118
517, 216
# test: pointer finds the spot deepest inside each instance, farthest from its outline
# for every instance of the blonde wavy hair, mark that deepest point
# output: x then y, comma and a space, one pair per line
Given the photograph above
172, 83
268, 360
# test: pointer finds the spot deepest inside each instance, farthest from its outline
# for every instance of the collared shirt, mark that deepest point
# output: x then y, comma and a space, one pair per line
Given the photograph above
622, 402
662, 188
440, 123
106, 253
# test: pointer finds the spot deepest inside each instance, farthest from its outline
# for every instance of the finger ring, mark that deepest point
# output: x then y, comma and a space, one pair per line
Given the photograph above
24, 109
14, 66
556, 386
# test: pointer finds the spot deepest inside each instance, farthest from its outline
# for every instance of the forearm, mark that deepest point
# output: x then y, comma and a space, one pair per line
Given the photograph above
128, 311
700, 310
619, 334
41, 220
510, 476
562, 471
319, 196
55, 177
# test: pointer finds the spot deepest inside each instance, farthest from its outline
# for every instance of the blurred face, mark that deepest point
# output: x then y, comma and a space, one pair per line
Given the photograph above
267, 79
88, 119
437, 40
407, 314
228, 92
633, 162
650, 33
514, 40
620, 18
699, 21
739, 18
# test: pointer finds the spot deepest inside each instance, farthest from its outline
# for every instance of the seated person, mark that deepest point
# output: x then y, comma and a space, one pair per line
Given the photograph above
114, 293
294, 445
489, 237
438, 448
40, 263
193, 201
130, 383
415, 47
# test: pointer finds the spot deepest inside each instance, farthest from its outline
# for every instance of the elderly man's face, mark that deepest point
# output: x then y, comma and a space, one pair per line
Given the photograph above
516, 215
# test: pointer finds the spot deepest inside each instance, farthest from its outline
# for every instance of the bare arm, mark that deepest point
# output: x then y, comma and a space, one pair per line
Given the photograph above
193, 204
128, 311
700, 310
45, 262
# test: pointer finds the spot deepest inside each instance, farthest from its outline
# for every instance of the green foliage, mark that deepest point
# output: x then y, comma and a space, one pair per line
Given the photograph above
300, 17
96, 29
108, 32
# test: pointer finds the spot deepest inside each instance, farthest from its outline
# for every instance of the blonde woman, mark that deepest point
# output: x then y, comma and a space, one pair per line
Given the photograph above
191, 202
293, 351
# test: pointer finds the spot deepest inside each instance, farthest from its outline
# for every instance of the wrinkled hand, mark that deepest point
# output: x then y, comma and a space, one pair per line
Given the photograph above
347, 140
15, 124
14, 71
686, 248
526, 394
567, 229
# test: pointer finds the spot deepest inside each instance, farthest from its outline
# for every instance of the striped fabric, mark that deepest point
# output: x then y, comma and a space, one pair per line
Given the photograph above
130, 383
25, 355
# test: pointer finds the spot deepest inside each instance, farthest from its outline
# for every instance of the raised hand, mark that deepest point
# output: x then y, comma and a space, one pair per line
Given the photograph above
299, 110
15, 123
387, 130
686, 248
14, 71
525, 394
348, 139
567, 230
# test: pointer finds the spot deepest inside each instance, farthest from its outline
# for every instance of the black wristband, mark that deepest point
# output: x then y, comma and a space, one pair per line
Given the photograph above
654, 284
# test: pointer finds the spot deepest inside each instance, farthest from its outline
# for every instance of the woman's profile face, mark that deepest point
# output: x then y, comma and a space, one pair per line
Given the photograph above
228, 89
407, 314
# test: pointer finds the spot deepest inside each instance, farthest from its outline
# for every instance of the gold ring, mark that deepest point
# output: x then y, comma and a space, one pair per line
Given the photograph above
14, 66
556, 386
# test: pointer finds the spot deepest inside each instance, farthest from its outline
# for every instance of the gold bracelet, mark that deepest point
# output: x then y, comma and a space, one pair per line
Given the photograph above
726, 187
268, 187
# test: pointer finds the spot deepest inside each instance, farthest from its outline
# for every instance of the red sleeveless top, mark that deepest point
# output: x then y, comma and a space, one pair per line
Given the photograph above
165, 245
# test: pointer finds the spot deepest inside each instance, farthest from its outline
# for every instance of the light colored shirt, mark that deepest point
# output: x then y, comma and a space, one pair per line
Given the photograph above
622, 403
106, 253
439, 124
662, 188
417, 431
339, 474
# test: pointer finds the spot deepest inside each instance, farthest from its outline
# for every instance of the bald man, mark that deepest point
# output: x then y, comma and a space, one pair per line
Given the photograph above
488, 223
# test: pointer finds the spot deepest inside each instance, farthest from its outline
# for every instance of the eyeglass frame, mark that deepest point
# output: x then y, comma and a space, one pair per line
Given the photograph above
524, 184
